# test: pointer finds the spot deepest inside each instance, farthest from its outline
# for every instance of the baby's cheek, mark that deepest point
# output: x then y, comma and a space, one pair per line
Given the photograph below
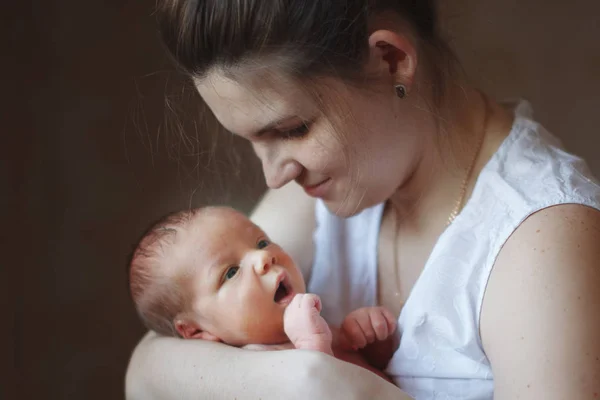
264, 326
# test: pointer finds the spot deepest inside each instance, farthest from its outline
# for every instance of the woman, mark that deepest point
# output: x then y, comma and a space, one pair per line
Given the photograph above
460, 214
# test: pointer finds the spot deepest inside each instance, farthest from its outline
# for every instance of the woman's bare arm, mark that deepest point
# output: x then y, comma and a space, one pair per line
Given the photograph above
166, 368
169, 368
540, 320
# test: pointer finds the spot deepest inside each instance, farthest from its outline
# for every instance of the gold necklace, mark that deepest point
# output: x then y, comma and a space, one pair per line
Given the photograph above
463, 190
465, 182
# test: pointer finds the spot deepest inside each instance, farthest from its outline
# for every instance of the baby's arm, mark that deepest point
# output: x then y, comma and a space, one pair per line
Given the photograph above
307, 330
371, 331
304, 325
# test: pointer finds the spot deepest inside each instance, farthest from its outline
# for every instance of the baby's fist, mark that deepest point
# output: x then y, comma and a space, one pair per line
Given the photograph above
304, 325
365, 325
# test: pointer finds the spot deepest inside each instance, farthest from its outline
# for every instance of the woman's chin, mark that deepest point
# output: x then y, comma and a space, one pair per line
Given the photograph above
346, 208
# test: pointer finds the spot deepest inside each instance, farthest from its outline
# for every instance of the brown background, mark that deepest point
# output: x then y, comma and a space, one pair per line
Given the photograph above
87, 161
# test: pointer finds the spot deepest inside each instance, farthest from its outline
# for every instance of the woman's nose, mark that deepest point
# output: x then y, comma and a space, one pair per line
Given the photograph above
277, 176
278, 168
263, 262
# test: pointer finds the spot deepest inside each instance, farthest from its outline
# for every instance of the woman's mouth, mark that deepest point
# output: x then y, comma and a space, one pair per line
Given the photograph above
319, 189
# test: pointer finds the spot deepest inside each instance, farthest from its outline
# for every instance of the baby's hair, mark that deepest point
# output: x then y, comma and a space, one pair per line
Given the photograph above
159, 296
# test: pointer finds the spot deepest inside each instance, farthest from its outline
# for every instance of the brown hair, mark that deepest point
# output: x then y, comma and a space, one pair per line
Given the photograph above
159, 297
316, 38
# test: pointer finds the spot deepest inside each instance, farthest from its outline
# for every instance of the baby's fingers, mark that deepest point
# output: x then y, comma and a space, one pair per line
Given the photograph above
390, 319
354, 333
311, 301
379, 324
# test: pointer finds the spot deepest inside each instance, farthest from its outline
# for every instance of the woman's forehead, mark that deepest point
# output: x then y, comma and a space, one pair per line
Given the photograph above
247, 108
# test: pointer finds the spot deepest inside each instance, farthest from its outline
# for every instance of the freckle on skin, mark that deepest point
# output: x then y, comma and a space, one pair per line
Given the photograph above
538, 231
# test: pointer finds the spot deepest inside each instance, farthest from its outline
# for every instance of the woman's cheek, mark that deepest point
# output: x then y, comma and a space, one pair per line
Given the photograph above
323, 156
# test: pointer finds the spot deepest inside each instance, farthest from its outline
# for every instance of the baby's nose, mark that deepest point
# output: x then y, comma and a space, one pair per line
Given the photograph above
264, 262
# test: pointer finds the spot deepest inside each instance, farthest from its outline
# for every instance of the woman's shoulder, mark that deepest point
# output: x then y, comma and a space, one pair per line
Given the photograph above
532, 170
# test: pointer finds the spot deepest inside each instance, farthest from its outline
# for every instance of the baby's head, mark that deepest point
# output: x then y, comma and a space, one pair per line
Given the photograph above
212, 274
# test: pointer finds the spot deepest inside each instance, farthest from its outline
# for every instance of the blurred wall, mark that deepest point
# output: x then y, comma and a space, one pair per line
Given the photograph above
92, 159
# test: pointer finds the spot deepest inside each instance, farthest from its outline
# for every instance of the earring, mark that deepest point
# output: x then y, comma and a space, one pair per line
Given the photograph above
400, 90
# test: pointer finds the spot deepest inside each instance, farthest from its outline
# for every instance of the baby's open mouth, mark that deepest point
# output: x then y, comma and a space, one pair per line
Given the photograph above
283, 292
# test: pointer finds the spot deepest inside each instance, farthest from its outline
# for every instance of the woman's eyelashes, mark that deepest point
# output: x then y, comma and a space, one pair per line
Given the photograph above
296, 132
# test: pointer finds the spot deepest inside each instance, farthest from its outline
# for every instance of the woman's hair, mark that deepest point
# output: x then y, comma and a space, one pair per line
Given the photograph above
307, 38
159, 297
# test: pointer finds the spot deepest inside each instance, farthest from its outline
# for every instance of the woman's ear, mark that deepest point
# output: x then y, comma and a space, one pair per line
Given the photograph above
188, 329
394, 54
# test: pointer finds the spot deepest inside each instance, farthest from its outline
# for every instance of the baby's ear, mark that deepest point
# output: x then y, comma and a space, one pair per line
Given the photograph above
188, 329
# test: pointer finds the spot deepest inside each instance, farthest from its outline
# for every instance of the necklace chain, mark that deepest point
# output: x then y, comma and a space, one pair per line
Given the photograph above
461, 198
465, 182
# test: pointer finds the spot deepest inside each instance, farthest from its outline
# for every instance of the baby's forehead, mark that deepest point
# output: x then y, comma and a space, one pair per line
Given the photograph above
222, 222
214, 232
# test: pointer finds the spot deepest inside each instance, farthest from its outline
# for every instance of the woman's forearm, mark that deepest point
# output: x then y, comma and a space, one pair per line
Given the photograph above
167, 369
163, 368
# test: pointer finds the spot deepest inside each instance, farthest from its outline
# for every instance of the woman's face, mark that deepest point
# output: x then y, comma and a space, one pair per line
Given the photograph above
354, 154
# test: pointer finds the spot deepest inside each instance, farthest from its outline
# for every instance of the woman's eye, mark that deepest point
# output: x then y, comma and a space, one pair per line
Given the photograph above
297, 132
262, 244
231, 272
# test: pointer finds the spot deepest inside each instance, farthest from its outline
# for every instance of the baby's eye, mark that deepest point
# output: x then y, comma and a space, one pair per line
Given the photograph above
231, 272
262, 244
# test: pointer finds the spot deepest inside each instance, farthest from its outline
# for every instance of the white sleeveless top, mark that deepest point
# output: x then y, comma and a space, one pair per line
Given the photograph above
440, 354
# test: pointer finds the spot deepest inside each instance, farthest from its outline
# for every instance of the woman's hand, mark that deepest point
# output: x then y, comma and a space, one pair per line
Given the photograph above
329, 378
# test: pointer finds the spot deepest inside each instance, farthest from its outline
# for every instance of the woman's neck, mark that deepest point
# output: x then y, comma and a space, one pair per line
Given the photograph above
432, 192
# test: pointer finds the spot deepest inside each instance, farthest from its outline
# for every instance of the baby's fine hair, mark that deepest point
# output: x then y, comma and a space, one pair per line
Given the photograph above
159, 297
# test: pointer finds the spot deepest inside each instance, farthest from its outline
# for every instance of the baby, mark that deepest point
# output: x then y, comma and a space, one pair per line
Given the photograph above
212, 274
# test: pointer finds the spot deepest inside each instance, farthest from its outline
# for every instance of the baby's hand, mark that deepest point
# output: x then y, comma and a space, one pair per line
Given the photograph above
366, 325
304, 325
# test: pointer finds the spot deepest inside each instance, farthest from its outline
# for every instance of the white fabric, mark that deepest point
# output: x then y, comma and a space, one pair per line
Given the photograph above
441, 355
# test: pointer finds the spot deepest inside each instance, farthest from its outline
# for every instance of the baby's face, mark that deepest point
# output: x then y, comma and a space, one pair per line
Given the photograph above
242, 282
